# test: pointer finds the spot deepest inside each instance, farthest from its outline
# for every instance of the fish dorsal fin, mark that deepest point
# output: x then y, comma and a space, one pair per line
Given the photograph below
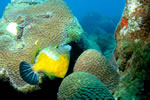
35, 51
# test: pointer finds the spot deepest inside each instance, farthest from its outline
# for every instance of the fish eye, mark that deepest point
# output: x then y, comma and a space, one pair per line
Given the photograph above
56, 46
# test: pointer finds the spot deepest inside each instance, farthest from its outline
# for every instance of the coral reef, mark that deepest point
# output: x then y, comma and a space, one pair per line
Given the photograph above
106, 42
86, 43
36, 25
133, 50
93, 62
93, 20
83, 85
97, 33
100, 41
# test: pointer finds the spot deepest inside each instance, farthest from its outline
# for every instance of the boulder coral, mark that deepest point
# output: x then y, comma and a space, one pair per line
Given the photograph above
95, 63
36, 25
83, 85
133, 50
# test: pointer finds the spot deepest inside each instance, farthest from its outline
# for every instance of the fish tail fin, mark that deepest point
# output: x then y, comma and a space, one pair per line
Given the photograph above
27, 73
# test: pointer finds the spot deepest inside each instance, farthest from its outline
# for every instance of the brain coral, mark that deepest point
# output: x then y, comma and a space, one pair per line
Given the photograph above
83, 85
36, 25
93, 62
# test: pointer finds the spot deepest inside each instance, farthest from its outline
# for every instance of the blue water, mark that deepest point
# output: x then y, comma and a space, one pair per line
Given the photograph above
110, 8
3, 4
80, 8
91, 13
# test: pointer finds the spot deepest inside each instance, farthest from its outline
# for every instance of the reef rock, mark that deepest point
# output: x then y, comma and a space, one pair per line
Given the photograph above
31, 25
133, 50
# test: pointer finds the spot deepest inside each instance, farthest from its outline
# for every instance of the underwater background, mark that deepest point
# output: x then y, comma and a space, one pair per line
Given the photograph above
104, 25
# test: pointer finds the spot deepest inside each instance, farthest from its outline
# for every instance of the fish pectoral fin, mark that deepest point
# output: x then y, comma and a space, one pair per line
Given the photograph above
51, 77
27, 73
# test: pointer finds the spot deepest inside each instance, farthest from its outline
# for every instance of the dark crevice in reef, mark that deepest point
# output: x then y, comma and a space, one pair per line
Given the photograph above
75, 53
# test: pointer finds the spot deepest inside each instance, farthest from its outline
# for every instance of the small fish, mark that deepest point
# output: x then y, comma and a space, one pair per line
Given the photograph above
53, 61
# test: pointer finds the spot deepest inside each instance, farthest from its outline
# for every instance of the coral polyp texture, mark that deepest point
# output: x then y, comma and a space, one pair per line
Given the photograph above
133, 50
83, 85
28, 26
93, 62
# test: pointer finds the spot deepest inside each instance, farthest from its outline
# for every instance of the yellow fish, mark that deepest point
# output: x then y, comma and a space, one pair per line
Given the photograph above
53, 61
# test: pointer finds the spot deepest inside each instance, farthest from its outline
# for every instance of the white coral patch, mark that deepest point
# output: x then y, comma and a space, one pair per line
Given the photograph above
123, 31
133, 25
12, 28
136, 40
133, 4
2, 71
